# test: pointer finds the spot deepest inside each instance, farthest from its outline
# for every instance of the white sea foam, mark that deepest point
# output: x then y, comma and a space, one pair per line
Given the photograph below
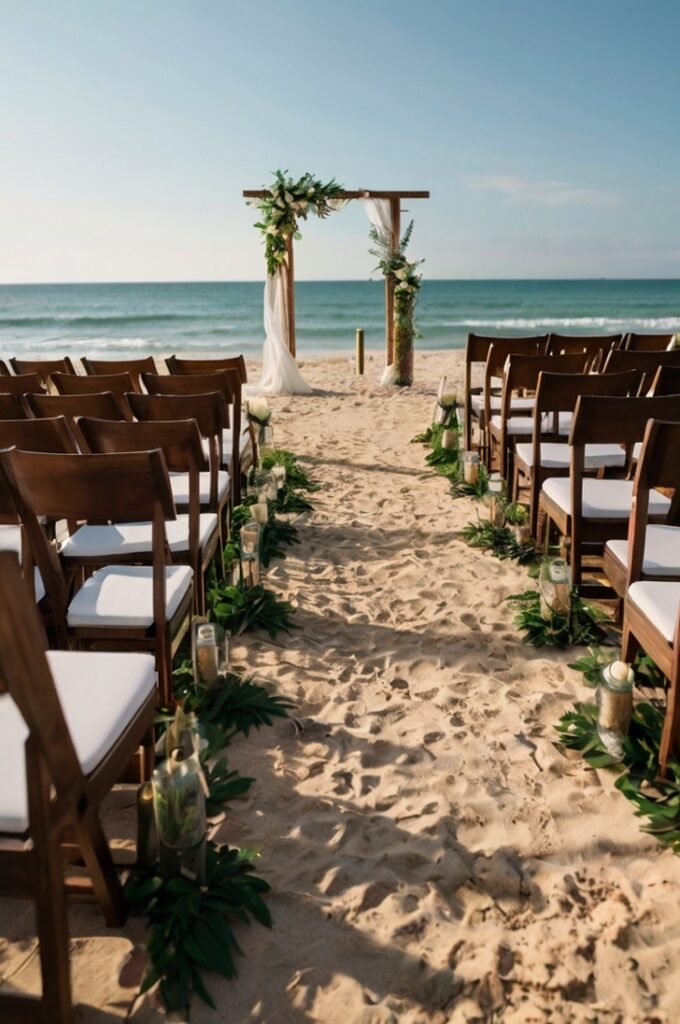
610, 324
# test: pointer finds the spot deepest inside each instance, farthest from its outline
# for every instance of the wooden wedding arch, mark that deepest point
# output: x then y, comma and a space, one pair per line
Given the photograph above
395, 200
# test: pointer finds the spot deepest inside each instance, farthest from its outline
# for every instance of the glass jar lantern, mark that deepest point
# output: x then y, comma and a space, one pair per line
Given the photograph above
495, 500
250, 553
554, 583
471, 468
614, 706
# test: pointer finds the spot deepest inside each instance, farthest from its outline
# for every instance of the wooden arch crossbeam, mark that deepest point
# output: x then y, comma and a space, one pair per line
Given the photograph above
395, 200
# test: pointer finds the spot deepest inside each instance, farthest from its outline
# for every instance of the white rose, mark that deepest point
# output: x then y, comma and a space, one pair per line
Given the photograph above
288, 197
311, 191
302, 205
272, 230
280, 203
401, 273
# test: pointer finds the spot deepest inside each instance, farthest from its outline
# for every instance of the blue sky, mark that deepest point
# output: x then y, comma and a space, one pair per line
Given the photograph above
547, 133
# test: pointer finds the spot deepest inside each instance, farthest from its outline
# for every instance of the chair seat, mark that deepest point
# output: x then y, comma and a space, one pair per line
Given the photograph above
602, 499
524, 425
179, 483
658, 602
662, 551
10, 538
122, 596
477, 402
122, 539
100, 692
245, 446
558, 456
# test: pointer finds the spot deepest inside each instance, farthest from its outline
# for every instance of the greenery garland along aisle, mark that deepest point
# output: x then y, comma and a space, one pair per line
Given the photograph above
192, 920
656, 800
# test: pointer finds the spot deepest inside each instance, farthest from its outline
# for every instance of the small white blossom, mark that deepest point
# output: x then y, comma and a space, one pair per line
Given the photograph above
311, 191
288, 197
280, 203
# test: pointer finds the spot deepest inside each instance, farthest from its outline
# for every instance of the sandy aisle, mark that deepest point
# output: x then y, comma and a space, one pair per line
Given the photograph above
433, 857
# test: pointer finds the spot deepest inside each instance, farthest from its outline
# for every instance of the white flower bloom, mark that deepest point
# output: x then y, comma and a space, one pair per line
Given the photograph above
272, 229
288, 197
302, 205
402, 273
311, 191
280, 203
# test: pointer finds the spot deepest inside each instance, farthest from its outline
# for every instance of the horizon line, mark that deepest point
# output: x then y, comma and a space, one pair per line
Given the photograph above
318, 280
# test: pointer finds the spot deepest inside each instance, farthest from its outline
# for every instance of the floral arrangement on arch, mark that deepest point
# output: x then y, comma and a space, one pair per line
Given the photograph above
287, 202
408, 282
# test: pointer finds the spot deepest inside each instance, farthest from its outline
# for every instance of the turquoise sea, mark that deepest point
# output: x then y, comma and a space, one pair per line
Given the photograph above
125, 319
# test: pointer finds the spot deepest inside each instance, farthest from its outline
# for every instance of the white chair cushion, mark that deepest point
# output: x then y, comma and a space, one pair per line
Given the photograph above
99, 692
245, 446
637, 448
135, 538
10, 538
524, 425
658, 602
558, 456
122, 595
180, 487
477, 403
662, 551
602, 499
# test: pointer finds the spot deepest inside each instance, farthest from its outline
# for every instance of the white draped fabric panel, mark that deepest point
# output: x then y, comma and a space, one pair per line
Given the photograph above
379, 214
280, 375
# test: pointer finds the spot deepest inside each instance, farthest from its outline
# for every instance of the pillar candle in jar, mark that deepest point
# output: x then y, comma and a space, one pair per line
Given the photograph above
260, 512
471, 468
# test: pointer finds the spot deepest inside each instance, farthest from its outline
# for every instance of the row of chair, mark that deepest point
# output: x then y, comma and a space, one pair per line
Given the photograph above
112, 508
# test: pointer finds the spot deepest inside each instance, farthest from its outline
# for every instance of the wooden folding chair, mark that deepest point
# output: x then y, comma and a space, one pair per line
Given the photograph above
596, 346
476, 353
588, 511
118, 384
548, 453
177, 365
648, 342
69, 725
133, 607
193, 539
488, 404
237, 445
211, 414
23, 384
514, 418
651, 551
4, 368
44, 367
648, 362
107, 367
652, 607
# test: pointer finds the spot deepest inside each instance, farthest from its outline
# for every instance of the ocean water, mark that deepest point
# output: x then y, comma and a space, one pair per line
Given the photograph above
121, 320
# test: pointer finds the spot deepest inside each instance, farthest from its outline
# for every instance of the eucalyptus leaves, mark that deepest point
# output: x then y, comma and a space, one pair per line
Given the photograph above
286, 203
393, 262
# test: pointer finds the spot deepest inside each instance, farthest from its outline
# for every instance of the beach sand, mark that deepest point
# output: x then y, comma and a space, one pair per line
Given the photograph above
433, 856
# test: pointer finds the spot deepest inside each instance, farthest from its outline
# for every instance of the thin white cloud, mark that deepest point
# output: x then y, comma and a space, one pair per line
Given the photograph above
545, 193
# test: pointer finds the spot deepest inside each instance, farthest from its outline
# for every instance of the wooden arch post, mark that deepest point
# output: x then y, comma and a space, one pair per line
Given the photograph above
395, 199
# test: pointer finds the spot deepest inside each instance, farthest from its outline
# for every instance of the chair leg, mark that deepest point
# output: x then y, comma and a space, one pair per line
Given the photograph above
629, 643
101, 869
50, 904
670, 737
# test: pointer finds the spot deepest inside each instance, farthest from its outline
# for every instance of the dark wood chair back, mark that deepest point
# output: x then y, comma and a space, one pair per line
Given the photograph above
179, 440
44, 367
648, 342
119, 384
192, 384
178, 366
647, 362
22, 384
666, 381
107, 367
12, 407
38, 435
102, 406
4, 368
559, 392
476, 351
595, 345
616, 420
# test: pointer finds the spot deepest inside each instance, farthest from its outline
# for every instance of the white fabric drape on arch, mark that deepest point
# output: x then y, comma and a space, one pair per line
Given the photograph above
280, 375
380, 216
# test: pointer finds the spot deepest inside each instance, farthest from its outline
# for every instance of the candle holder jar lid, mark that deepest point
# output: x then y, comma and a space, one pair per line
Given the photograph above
622, 684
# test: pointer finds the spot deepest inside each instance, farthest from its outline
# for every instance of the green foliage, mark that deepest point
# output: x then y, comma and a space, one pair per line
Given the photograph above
228, 706
274, 534
460, 489
191, 926
499, 540
295, 476
585, 625
657, 800
238, 609
286, 202
224, 785
591, 665
516, 514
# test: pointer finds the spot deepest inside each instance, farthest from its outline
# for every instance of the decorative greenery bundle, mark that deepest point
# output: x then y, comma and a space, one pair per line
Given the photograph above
499, 540
393, 262
585, 624
287, 202
657, 800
